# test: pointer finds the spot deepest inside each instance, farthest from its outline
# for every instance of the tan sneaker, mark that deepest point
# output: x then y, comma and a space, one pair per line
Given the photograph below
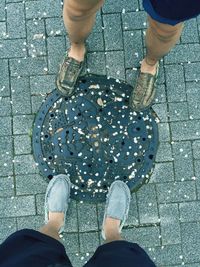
144, 92
68, 74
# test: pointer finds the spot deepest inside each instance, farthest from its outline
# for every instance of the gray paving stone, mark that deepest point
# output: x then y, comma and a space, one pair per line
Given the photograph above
131, 76
22, 144
40, 198
22, 124
42, 84
96, 63
133, 48
7, 227
187, 130
141, 5
6, 148
87, 217
100, 213
147, 204
5, 123
25, 164
184, 53
191, 265
98, 26
115, 64
89, 242
164, 134
112, 32
197, 176
175, 83
4, 81
190, 241
192, 71
55, 26
129, 5
20, 89
163, 172
5, 106
178, 111
190, 32
164, 152
30, 184
176, 192
56, 49
170, 225
144, 236
133, 217
2, 10
36, 102
3, 30
17, 206
12, 48
183, 162
196, 149
134, 21
166, 255
36, 38
95, 42
28, 66
161, 111
6, 186
71, 224
30, 222
79, 259
185, 265
16, 20
193, 99
160, 96
44, 9
71, 242
189, 212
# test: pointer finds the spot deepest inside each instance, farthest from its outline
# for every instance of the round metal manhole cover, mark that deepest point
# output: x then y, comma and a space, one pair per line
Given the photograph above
95, 137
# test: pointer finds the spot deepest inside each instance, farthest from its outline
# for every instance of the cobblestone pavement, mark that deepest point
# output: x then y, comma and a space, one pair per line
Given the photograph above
165, 214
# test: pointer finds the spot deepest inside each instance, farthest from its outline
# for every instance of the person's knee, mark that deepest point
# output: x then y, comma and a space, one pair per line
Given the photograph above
164, 32
76, 11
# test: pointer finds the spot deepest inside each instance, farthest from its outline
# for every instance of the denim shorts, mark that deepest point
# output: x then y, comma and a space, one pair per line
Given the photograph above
154, 15
30, 248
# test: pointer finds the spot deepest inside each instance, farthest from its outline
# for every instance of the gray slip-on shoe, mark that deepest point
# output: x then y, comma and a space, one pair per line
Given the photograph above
117, 204
57, 196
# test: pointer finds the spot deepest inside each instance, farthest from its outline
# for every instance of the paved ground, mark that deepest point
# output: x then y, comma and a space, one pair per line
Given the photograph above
165, 214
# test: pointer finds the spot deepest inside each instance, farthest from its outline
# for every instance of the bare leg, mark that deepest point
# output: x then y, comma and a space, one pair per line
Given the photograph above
160, 38
111, 229
54, 224
79, 18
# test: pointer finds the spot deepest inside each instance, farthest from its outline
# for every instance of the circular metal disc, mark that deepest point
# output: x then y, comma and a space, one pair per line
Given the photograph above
95, 137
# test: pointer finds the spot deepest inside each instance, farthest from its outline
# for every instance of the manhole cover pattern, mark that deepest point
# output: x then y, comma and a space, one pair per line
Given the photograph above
95, 137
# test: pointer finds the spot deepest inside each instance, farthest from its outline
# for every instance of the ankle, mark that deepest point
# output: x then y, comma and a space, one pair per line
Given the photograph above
150, 62
77, 51
148, 68
112, 236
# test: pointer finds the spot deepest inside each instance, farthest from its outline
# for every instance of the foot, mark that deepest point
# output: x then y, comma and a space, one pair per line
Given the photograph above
70, 70
77, 52
56, 200
111, 228
143, 93
116, 211
148, 68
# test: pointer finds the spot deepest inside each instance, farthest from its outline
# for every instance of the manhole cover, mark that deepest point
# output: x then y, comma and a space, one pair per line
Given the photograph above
95, 137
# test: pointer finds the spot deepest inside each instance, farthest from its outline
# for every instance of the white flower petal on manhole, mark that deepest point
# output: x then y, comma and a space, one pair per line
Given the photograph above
94, 86
100, 102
